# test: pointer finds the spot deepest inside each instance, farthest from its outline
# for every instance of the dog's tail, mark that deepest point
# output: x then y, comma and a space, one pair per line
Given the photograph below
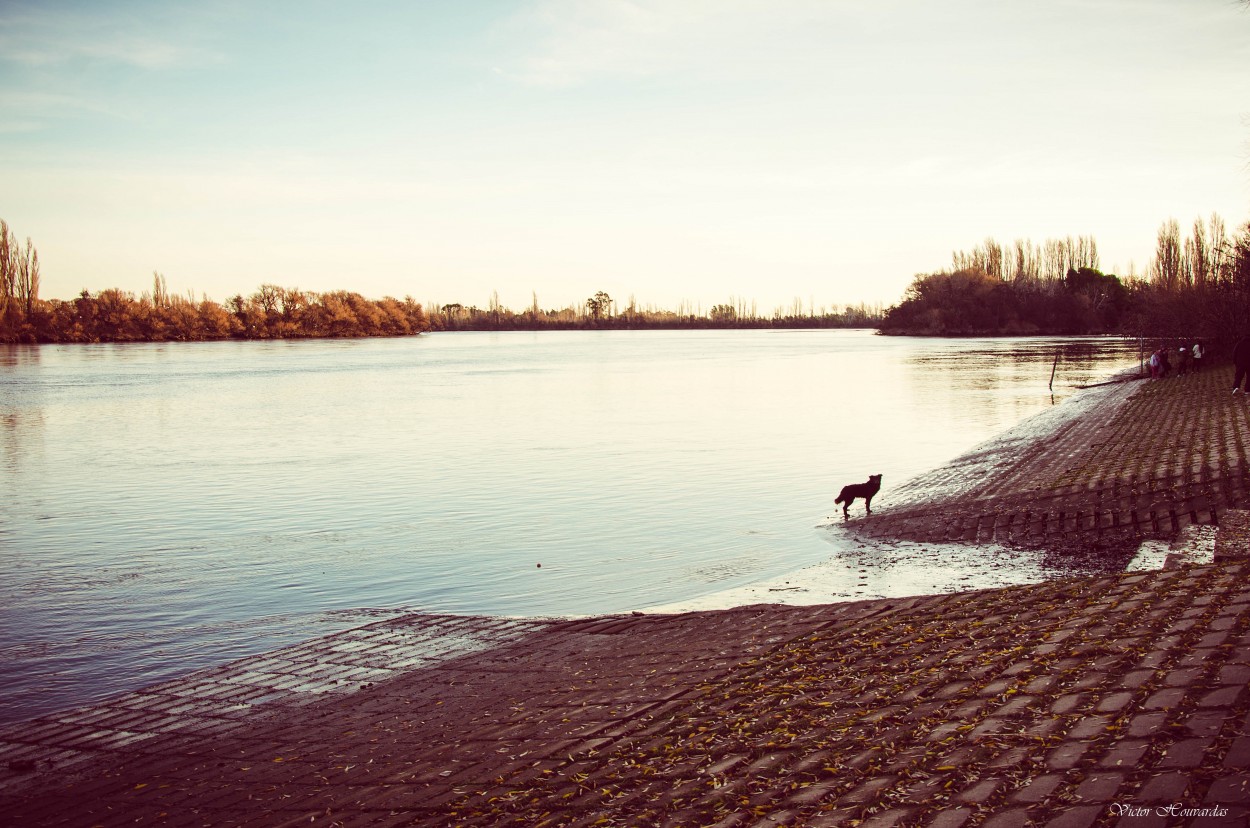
841, 498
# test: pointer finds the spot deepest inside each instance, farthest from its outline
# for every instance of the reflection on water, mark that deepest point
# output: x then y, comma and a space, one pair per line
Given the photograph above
981, 366
171, 506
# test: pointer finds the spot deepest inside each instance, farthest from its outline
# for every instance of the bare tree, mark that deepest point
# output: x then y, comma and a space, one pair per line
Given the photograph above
1054, 260
19, 272
160, 292
993, 258
1085, 253
27, 276
1165, 271
1028, 266
8, 266
267, 297
1199, 255
1218, 246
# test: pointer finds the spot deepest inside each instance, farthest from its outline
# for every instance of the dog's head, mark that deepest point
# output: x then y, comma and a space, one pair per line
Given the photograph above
874, 478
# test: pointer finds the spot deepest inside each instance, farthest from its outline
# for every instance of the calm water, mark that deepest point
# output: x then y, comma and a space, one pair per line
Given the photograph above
165, 507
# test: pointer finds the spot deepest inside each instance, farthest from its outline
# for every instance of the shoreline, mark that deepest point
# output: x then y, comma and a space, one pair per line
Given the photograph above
934, 568
1052, 704
1058, 703
615, 546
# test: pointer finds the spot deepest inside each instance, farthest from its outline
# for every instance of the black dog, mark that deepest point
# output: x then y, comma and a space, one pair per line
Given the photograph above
865, 490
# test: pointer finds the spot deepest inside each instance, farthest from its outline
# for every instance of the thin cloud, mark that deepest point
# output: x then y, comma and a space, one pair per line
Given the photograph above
41, 39
574, 42
17, 127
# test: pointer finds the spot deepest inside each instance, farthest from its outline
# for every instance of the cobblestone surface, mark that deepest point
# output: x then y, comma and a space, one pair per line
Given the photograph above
1071, 700
1117, 700
1155, 458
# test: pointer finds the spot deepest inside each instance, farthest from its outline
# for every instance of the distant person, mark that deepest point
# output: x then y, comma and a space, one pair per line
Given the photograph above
1182, 361
1154, 365
1164, 365
1241, 361
1197, 352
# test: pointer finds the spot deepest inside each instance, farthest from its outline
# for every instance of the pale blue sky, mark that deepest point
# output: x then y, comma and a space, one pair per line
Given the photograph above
669, 149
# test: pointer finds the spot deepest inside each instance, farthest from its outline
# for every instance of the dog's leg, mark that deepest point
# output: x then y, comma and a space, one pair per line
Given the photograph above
868, 504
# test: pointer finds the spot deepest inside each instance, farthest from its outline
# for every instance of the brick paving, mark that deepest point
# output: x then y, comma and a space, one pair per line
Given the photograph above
1155, 457
1114, 700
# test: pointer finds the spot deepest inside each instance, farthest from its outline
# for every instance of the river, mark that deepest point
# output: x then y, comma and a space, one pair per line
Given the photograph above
171, 506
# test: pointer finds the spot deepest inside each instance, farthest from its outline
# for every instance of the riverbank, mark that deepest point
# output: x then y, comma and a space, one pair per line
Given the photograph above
636, 467
1109, 699
1116, 478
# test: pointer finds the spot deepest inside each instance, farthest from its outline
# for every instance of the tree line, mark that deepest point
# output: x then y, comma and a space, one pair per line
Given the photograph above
601, 311
275, 312
271, 313
1197, 286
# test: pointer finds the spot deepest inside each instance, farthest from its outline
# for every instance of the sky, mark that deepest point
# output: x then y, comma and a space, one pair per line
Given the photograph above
772, 151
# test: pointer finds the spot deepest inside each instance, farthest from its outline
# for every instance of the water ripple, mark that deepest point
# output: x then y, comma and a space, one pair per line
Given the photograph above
172, 506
